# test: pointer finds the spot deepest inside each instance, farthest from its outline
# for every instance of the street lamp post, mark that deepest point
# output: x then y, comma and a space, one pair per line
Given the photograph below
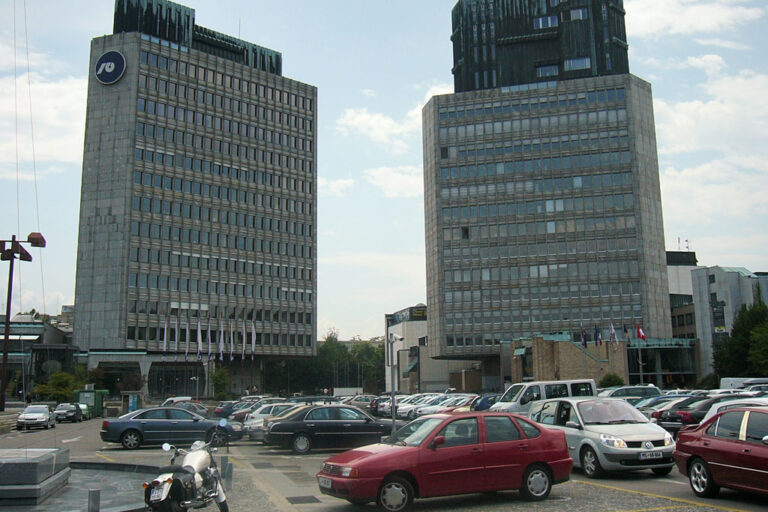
196, 379
393, 375
8, 253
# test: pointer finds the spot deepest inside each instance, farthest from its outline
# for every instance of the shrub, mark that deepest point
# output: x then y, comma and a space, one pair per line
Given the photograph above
610, 380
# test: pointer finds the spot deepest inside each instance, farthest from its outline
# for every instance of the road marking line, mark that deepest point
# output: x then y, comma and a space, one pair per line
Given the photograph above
74, 439
108, 459
679, 500
652, 509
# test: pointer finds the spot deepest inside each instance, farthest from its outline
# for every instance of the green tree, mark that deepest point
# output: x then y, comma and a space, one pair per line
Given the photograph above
60, 387
221, 381
709, 382
610, 380
734, 356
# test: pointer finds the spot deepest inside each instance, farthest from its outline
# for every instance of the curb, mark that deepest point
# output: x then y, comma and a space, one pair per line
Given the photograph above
114, 466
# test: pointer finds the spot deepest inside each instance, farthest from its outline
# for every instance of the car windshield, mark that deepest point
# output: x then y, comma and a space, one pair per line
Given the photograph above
611, 412
511, 394
38, 409
415, 432
65, 407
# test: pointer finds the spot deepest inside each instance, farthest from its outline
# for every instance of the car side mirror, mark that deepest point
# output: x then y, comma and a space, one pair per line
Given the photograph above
437, 442
573, 424
765, 440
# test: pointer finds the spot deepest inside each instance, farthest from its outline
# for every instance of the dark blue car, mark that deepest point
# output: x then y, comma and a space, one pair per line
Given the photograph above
160, 425
485, 402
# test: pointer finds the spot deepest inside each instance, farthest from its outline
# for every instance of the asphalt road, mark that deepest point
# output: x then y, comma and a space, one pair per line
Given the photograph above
283, 482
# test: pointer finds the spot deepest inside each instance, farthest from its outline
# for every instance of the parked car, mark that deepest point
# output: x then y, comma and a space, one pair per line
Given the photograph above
68, 412
259, 432
85, 410
36, 415
193, 406
650, 404
437, 455
607, 434
408, 410
255, 420
485, 402
328, 426
223, 409
241, 413
730, 450
631, 391
452, 401
655, 412
518, 398
160, 425
691, 411
731, 404
172, 400
361, 401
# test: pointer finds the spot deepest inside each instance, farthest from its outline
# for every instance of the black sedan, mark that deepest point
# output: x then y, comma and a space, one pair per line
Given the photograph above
68, 412
166, 425
326, 426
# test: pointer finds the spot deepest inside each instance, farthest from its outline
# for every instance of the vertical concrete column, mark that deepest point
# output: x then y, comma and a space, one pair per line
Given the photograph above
144, 366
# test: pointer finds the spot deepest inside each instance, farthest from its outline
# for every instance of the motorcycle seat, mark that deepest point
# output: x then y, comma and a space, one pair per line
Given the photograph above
177, 469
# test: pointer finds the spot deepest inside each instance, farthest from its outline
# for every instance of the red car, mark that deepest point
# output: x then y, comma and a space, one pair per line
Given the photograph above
444, 454
728, 450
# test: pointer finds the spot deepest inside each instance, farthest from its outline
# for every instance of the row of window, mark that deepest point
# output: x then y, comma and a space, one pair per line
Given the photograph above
558, 318
147, 230
602, 245
154, 281
232, 195
190, 93
230, 148
682, 320
546, 186
575, 64
515, 273
216, 313
205, 262
533, 105
499, 298
150, 131
141, 333
229, 81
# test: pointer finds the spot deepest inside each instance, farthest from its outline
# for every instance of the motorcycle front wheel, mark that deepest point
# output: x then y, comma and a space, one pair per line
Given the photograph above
223, 507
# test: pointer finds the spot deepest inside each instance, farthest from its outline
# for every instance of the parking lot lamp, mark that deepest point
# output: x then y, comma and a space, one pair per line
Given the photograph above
196, 379
9, 253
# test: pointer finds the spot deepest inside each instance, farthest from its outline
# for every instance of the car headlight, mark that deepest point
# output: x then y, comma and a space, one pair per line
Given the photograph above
612, 441
349, 472
236, 426
668, 441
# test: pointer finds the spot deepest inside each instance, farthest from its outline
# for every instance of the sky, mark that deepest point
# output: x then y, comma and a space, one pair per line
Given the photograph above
375, 64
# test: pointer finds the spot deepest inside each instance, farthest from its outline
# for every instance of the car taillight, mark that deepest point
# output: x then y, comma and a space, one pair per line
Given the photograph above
685, 417
656, 414
104, 424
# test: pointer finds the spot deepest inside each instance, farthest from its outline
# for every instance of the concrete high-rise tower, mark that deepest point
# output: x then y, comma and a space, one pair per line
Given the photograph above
542, 199
198, 206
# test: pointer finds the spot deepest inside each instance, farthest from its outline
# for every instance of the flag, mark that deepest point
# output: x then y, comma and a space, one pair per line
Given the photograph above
165, 337
583, 336
209, 339
597, 335
640, 333
186, 344
626, 334
175, 336
221, 341
231, 341
199, 342
253, 339
242, 352
612, 334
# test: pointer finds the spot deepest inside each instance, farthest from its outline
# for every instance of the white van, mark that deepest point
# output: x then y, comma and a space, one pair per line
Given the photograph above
519, 397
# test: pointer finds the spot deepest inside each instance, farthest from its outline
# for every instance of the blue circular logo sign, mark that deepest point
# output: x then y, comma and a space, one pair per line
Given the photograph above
110, 68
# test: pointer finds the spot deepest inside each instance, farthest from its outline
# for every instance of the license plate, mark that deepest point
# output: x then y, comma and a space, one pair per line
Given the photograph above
325, 483
650, 455
156, 494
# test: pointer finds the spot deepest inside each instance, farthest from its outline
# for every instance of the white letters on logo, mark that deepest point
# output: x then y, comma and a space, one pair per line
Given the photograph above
106, 66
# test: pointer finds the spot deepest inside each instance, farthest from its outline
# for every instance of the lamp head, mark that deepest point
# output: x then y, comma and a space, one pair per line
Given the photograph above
36, 240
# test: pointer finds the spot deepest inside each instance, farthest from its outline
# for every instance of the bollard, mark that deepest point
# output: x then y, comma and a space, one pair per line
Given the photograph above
226, 473
94, 500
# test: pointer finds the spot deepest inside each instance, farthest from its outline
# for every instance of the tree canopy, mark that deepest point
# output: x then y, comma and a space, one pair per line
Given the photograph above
745, 352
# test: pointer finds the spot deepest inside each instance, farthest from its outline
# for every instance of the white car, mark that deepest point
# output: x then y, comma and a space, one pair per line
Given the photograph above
428, 407
729, 404
457, 401
86, 411
254, 421
408, 410
36, 416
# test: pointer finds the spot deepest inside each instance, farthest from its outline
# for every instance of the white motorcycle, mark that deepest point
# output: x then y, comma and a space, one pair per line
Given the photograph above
194, 483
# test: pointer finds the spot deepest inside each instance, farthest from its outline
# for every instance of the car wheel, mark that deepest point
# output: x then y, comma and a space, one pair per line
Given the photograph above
301, 444
701, 480
590, 464
395, 495
662, 471
218, 437
537, 483
46, 426
130, 439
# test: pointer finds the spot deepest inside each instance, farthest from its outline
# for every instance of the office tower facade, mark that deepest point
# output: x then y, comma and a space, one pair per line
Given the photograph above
542, 203
498, 43
198, 209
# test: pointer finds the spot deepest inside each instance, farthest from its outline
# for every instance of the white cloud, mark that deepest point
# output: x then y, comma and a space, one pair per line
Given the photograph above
369, 92
660, 18
334, 188
403, 181
711, 64
723, 43
384, 129
732, 120
58, 114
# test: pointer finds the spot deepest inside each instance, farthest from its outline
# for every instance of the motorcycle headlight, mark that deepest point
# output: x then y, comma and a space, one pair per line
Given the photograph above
612, 441
236, 426
349, 472
668, 441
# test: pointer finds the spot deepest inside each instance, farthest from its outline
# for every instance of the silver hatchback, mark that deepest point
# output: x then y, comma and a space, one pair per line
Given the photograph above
607, 434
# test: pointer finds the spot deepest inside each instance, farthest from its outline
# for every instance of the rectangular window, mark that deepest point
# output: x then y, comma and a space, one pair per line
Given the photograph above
545, 71
577, 64
579, 14
545, 22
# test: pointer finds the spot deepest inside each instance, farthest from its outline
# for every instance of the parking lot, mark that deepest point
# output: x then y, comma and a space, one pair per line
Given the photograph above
276, 480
